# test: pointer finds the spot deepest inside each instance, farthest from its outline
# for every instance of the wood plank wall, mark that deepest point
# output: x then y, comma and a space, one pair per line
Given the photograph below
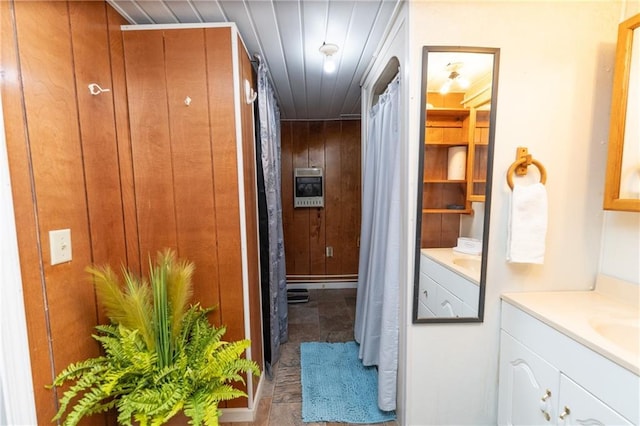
124, 185
63, 157
334, 146
186, 166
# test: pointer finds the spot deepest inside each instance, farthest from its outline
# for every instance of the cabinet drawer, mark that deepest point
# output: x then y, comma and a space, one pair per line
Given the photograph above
424, 311
577, 406
464, 289
447, 305
427, 294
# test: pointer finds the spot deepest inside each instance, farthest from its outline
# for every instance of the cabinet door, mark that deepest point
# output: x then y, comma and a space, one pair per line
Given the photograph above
424, 311
528, 386
447, 305
579, 407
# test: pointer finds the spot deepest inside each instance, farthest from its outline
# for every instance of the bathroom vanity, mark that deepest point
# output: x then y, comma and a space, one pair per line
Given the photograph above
570, 357
448, 286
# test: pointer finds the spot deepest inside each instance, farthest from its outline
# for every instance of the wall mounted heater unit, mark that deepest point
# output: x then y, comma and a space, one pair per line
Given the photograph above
308, 187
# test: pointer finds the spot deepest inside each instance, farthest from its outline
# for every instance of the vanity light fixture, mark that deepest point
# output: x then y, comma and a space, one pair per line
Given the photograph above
328, 50
454, 77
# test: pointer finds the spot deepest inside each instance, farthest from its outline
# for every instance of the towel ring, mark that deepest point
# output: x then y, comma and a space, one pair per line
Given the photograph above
525, 161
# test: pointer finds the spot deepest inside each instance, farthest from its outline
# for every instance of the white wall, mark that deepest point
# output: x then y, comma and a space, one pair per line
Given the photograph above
555, 80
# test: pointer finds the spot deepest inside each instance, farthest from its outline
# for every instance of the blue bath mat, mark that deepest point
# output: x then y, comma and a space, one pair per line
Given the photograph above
336, 387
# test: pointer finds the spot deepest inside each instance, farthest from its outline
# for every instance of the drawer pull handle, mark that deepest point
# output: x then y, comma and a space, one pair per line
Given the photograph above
544, 401
565, 413
546, 395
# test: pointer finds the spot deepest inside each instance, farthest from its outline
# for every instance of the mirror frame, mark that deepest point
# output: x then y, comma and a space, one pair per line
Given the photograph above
619, 99
489, 183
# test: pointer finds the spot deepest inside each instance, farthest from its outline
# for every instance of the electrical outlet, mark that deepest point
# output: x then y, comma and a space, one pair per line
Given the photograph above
329, 251
60, 246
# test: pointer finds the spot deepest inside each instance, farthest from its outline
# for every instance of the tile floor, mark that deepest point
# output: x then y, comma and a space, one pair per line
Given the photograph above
327, 317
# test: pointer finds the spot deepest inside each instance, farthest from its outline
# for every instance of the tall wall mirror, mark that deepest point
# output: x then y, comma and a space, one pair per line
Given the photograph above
458, 114
622, 185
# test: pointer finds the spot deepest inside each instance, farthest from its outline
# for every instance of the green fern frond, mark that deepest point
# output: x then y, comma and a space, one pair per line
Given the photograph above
78, 369
158, 400
201, 408
90, 403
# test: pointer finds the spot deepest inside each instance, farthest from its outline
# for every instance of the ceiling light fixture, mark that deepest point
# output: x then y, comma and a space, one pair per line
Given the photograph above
328, 50
454, 77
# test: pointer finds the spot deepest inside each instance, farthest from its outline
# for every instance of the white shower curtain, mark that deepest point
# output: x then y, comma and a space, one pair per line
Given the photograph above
377, 306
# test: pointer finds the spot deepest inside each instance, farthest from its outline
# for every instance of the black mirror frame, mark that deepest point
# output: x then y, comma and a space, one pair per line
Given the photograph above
487, 202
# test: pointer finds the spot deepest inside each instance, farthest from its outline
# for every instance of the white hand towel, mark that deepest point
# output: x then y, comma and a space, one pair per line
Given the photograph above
527, 224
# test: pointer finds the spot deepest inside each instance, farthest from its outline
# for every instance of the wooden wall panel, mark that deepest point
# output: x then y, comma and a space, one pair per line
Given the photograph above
225, 177
98, 133
335, 146
316, 144
75, 165
333, 196
191, 154
288, 224
57, 166
351, 189
26, 225
121, 116
150, 141
300, 262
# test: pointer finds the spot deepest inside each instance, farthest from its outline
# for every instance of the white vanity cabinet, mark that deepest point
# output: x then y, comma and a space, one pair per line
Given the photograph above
445, 293
547, 378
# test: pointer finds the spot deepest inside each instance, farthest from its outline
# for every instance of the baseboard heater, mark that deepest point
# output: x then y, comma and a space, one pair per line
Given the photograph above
297, 295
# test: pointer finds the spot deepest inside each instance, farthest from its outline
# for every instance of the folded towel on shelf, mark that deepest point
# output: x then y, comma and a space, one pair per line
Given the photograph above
527, 224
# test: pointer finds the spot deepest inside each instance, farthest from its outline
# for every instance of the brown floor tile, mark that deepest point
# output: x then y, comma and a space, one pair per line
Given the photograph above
288, 388
302, 315
288, 414
304, 332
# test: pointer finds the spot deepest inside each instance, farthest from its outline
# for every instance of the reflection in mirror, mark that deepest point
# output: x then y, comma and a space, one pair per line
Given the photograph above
458, 109
622, 185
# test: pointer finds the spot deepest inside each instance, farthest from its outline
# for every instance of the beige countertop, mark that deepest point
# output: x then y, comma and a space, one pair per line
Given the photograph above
606, 320
467, 265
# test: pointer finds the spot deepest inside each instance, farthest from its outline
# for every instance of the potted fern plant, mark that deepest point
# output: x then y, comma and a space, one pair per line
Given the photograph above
161, 354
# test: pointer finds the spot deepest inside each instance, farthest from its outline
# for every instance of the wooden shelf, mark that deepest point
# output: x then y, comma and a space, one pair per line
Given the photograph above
457, 143
443, 181
446, 113
447, 211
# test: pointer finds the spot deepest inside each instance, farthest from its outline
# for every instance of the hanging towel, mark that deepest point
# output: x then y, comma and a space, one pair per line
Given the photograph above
527, 224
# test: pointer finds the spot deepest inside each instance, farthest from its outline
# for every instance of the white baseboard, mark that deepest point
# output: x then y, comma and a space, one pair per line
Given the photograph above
323, 285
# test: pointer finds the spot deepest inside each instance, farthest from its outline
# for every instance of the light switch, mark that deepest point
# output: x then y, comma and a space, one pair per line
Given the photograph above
60, 246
